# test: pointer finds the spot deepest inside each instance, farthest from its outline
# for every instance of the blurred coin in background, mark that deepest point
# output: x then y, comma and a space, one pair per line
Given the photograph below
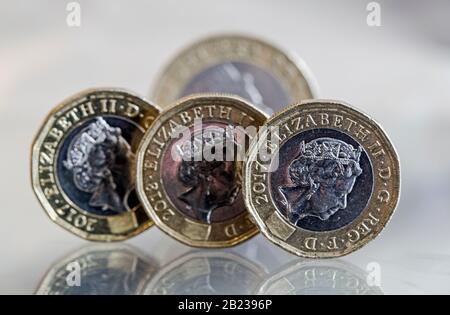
248, 67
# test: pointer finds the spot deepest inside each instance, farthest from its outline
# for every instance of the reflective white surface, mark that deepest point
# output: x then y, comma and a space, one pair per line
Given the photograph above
399, 73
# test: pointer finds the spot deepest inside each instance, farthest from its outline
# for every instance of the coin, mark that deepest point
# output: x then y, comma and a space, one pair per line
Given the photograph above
189, 170
248, 67
107, 269
330, 277
205, 273
83, 164
322, 179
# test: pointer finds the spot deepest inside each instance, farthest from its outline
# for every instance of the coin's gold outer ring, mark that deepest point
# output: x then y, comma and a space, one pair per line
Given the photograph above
293, 242
52, 272
198, 254
150, 108
213, 241
287, 67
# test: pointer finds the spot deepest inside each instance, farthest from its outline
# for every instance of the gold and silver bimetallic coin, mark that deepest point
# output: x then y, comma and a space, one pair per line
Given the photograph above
83, 164
248, 67
322, 179
189, 169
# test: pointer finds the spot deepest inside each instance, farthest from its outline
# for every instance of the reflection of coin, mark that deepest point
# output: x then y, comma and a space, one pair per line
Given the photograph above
244, 66
99, 269
83, 164
329, 184
194, 197
321, 278
205, 273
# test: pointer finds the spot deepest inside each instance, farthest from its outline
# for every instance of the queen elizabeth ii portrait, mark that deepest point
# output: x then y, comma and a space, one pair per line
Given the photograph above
101, 160
210, 183
321, 177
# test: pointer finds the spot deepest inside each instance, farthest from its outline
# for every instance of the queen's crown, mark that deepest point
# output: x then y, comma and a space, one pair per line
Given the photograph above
330, 149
